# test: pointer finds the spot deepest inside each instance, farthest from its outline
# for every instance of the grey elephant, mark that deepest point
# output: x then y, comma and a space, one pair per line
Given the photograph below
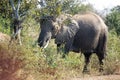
86, 33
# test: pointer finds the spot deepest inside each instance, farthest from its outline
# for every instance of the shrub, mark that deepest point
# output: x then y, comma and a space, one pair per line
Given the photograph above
15, 62
113, 53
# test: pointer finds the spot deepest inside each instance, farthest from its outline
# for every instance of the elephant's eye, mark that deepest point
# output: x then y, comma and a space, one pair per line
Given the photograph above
53, 29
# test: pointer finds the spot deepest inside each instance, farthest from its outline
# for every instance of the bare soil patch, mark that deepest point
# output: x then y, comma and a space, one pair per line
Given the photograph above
102, 77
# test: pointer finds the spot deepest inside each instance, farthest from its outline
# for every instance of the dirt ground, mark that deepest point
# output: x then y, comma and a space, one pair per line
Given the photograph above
4, 37
105, 77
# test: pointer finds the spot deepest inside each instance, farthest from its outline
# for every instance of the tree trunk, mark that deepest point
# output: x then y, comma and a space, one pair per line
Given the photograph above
16, 22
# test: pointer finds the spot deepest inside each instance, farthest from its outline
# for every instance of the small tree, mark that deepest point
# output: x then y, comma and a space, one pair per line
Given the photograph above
113, 19
16, 21
20, 9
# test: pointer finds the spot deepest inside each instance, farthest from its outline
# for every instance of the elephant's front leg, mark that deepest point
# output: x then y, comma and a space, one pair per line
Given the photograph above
67, 47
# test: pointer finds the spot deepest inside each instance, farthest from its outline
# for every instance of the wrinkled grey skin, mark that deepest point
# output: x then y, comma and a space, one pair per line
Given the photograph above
88, 35
66, 35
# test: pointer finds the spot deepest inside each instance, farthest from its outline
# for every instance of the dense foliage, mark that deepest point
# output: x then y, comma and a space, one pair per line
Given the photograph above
19, 62
57, 7
113, 19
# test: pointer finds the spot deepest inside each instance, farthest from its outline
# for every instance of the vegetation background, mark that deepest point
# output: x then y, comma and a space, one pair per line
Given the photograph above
29, 62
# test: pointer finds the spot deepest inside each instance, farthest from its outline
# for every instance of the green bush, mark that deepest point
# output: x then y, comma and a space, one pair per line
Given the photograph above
113, 53
4, 25
14, 58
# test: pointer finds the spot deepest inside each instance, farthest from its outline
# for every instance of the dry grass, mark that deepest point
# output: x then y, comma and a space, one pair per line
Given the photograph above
28, 62
4, 37
12, 62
